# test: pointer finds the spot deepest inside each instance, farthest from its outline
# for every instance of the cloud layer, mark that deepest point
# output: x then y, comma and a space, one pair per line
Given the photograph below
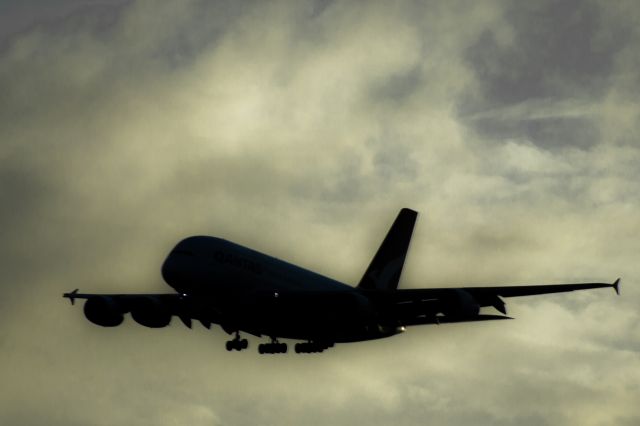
299, 129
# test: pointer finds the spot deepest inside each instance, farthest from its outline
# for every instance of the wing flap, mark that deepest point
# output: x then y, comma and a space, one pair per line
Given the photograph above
440, 319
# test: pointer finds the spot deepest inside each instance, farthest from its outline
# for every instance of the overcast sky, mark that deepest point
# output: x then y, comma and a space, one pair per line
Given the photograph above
300, 129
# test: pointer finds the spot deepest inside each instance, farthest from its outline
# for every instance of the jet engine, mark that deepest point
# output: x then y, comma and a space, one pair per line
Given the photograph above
150, 312
103, 311
461, 304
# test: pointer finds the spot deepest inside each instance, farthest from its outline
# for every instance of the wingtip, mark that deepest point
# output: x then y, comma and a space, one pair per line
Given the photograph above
71, 296
616, 286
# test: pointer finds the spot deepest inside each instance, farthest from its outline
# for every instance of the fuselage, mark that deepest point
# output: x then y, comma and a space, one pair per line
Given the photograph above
263, 295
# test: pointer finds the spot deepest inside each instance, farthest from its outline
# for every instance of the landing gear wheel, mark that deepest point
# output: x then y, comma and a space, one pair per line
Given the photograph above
237, 343
311, 347
272, 348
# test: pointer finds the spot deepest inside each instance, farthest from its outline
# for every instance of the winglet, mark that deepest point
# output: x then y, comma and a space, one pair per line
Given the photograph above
616, 286
71, 296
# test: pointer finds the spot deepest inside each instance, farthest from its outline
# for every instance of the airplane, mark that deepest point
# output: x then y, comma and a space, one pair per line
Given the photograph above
244, 291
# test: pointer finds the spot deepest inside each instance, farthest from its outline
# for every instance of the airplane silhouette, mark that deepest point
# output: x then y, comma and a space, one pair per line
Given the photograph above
242, 290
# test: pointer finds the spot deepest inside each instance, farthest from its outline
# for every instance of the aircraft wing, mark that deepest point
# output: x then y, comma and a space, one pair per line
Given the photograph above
531, 290
446, 305
151, 310
127, 298
502, 291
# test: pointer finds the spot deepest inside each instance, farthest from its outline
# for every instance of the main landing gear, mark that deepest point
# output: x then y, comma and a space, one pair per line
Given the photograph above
237, 344
274, 347
311, 347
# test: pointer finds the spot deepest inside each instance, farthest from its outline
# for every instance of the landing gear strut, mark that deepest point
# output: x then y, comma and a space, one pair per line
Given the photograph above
274, 347
237, 344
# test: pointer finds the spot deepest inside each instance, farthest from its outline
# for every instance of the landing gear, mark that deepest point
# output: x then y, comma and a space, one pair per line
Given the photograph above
274, 347
237, 344
311, 347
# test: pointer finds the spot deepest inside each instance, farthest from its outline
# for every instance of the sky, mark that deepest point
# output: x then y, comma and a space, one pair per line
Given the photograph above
300, 129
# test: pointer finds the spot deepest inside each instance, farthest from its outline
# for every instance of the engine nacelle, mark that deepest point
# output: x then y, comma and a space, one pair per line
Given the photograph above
103, 311
150, 312
461, 304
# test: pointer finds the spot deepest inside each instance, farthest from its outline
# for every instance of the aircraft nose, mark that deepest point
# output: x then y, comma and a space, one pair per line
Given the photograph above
175, 266
168, 271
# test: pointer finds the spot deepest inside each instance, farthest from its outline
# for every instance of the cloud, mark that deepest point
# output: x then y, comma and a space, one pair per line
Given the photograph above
554, 57
299, 130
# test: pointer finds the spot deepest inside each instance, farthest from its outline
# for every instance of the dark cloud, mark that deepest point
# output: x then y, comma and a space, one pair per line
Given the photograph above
17, 17
547, 133
392, 159
398, 87
558, 51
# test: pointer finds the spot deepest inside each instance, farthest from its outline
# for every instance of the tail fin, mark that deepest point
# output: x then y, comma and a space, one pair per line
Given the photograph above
384, 271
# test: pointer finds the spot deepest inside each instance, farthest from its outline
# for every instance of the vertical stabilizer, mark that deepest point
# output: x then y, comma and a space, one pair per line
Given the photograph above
384, 271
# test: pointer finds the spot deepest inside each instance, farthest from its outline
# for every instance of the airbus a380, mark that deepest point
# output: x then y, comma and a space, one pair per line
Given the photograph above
244, 291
